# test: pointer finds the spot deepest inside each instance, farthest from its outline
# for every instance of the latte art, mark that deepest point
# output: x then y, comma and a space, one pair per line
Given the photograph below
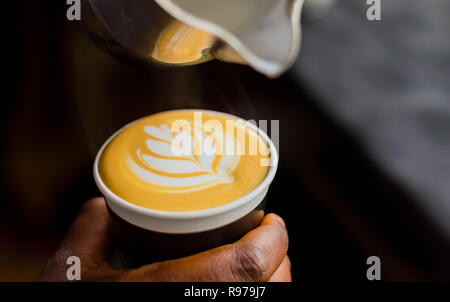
172, 161
161, 163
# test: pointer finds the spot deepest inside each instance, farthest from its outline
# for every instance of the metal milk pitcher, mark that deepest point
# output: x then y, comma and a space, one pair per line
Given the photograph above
264, 34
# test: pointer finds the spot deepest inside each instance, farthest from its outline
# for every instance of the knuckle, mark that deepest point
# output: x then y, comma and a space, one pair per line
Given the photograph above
250, 264
91, 204
278, 219
284, 237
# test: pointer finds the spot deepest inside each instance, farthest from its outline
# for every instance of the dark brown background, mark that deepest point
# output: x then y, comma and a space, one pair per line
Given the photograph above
64, 97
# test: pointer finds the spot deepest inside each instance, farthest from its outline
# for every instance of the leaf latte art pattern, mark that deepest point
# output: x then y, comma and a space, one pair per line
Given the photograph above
184, 160
174, 164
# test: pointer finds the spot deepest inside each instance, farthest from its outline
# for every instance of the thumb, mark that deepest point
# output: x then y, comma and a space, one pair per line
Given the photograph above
255, 257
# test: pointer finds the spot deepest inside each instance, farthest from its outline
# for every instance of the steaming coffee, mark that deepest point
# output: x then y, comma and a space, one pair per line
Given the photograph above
184, 161
184, 181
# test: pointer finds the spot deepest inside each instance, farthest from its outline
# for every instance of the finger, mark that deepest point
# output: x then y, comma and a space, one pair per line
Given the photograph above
255, 257
283, 273
262, 250
89, 236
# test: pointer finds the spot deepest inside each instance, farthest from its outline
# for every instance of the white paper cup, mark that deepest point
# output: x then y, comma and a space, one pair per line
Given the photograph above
168, 234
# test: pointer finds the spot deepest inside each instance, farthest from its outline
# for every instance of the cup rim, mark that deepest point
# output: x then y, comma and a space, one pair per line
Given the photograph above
112, 197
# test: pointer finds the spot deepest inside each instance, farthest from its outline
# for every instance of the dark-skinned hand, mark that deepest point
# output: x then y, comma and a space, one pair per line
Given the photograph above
261, 255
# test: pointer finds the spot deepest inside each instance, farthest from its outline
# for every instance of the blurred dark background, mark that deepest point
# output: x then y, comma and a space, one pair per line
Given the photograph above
364, 143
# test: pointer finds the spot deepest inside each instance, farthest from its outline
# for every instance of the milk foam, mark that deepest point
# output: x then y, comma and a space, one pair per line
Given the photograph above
184, 162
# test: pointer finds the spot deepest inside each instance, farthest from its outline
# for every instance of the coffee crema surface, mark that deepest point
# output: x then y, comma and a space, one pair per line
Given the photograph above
184, 161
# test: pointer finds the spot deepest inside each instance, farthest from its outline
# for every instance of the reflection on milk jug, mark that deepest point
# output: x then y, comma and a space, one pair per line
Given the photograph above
264, 34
